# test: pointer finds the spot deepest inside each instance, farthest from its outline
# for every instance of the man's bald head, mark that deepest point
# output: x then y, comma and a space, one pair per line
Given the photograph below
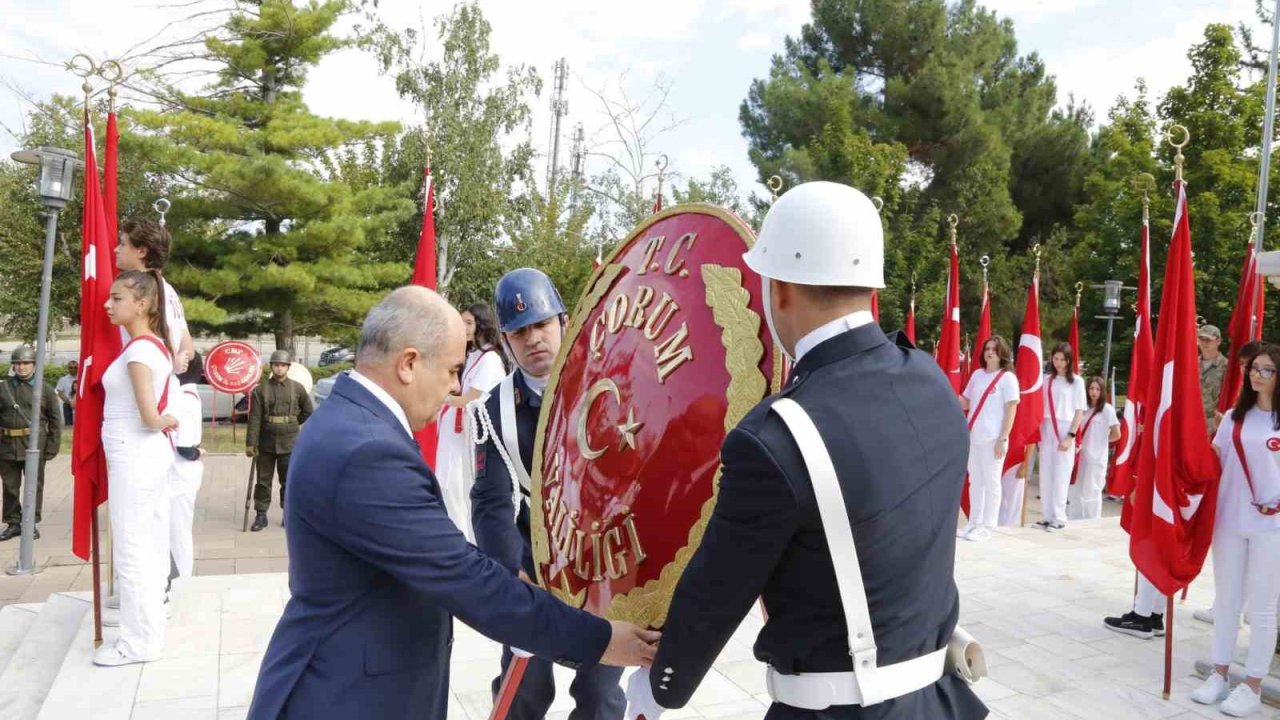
413, 344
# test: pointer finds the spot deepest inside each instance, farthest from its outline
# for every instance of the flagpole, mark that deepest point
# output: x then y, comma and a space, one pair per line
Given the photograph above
1268, 132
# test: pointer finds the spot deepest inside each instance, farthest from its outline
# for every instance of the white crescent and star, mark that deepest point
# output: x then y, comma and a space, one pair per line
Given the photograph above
626, 430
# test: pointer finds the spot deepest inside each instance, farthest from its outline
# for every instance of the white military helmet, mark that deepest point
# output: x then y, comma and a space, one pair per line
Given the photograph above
821, 233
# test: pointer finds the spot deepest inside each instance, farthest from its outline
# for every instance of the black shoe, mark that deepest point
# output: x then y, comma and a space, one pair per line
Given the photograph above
1043, 525
1157, 624
259, 522
10, 532
36, 534
1131, 623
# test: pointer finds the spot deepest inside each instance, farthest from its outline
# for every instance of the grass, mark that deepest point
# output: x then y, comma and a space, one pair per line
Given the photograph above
215, 439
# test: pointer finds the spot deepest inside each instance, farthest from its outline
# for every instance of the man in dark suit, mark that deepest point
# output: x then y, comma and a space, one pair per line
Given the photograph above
898, 446
531, 317
377, 569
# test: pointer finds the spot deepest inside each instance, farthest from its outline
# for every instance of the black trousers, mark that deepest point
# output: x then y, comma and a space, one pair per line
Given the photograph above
268, 464
596, 691
11, 471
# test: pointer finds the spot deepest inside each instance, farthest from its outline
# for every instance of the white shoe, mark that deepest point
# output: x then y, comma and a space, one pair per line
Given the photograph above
1242, 702
963, 533
1205, 615
1212, 691
979, 534
110, 656
113, 602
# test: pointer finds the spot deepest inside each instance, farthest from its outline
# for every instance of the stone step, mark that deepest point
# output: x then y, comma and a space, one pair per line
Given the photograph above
26, 679
84, 691
15, 621
1270, 683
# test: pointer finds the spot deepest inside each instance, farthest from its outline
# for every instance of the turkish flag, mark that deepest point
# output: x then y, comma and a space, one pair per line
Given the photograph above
110, 170
948, 354
910, 329
1126, 457
977, 362
424, 274
657, 203
1073, 339
1246, 325
875, 305
1029, 366
1177, 482
99, 346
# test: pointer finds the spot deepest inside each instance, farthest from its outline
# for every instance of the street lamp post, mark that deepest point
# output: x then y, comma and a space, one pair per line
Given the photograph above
56, 170
1111, 306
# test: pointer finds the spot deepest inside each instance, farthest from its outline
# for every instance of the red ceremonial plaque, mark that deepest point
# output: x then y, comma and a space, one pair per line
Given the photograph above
667, 351
232, 367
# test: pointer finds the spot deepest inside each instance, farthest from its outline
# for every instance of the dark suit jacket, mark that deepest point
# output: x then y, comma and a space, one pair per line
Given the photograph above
491, 509
898, 440
377, 571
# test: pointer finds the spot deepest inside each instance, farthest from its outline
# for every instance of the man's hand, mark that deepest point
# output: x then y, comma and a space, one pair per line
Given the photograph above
630, 645
640, 702
251, 451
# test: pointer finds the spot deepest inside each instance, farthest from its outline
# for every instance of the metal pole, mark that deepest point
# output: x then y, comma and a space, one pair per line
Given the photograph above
1106, 355
31, 475
1268, 131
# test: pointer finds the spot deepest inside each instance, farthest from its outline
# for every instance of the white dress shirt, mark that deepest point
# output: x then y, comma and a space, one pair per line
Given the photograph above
384, 397
815, 338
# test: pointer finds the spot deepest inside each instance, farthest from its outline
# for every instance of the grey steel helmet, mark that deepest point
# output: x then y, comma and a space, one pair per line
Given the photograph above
23, 354
281, 357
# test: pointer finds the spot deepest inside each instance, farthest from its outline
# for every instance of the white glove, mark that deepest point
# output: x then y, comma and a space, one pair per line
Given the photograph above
521, 653
640, 702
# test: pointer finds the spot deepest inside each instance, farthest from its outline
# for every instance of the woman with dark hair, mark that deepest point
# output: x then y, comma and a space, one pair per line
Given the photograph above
1101, 428
991, 402
456, 452
1246, 537
1064, 406
139, 458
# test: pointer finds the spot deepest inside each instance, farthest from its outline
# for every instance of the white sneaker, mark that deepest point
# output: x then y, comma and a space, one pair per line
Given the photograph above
110, 656
1242, 702
979, 534
1205, 615
1212, 691
112, 601
963, 533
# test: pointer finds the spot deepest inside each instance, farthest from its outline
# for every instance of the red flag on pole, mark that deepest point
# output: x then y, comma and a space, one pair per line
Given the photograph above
1177, 482
949, 342
910, 328
875, 305
110, 169
1126, 458
595, 264
1246, 325
1073, 337
424, 274
984, 334
99, 346
1029, 366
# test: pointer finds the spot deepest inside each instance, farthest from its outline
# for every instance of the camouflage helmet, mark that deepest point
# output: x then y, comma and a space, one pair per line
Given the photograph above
23, 354
281, 357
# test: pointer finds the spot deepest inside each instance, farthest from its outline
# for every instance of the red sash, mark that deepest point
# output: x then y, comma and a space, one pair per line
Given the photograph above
986, 394
458, 415
1244, 464
1053, 412
1075, 469
164, 394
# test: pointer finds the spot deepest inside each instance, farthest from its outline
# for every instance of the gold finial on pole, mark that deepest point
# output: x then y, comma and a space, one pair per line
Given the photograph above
661, 163
953, 221
878, 202
1179, 158
113, 73
984, 261
1079, 292
90, 69
775, 186
161, 206
428, 138
1036, 250
913, 288
1145, 183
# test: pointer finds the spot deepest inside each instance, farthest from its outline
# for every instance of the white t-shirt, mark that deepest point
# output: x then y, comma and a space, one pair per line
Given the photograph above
184, 404
174, 316
1261, 443
120, 406
484, 370
64, 385
986, 429
1068, 399
1096, 430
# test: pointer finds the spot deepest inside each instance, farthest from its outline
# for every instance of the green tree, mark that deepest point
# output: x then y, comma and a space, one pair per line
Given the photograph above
267, 229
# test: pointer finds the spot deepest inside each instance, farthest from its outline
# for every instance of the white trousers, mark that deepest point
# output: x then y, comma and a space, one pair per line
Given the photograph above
1084, 499
1055, 475
456, 472
1245, 565
184, 485
138, 466
1149, 598
984, 484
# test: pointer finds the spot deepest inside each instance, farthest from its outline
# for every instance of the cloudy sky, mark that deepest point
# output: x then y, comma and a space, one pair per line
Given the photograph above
708, 51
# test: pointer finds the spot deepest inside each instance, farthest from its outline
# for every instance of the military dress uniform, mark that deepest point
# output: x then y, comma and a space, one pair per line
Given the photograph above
15, 430
278, 408
596, 691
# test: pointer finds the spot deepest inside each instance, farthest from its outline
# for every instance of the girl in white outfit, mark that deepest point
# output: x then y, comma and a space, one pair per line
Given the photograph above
1064, 406
1246, 537
1101, 427
139, 457
991, 402
456, 452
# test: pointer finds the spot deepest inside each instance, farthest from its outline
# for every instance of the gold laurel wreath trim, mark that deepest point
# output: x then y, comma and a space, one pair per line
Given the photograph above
740, 335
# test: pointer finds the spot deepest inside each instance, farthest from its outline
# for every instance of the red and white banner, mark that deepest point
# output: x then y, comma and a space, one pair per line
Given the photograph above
424, 274
948, 350
1246, 325
1140, 363
1030, 369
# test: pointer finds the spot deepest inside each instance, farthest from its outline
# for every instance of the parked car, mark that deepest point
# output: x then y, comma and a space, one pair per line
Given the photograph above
322, 389
336, 355
219, 405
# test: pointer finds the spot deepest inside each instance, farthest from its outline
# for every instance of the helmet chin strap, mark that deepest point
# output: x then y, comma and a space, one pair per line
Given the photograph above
766, 296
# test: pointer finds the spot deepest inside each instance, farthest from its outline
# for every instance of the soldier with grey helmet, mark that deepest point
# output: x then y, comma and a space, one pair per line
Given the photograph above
277, 408
15, 430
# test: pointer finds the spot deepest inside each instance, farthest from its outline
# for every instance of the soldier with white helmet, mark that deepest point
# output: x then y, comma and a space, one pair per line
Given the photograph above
838, 499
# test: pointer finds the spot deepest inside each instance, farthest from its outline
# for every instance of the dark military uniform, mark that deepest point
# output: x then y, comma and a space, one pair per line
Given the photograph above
15, 429
276, 410
897, 440
596, 691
